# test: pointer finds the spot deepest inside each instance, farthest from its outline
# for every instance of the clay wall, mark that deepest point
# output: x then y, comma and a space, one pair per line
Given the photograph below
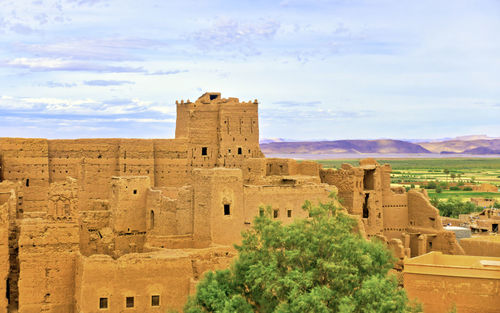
395, 208
440, 281
170, 274
26, 161
421, 213
170, 163
238, 132
128, 203
481, 246
219, 210
7, 199
285, 201
349, 182
47, 252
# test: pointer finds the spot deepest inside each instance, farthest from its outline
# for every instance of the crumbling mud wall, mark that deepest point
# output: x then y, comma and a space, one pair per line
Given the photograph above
152, 282
47, 253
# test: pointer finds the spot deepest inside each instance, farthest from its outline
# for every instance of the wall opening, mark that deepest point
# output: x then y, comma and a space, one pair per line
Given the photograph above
213, 97
152, 218
135, 191
368, 180
129, 302
7, 290
155, 300
430, 244
27, 182
366, 212
103, 303
227, 209
276, 213
494, 228
289, 213
240, 151
204, 150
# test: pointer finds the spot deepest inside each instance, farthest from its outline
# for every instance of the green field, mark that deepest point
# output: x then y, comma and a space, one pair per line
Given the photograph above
407, 172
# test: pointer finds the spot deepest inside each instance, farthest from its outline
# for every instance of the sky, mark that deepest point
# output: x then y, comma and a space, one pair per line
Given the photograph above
340, 69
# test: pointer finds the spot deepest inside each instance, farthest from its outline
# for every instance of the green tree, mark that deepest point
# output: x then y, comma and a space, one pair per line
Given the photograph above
320, 264
446, 171
454, 206
453, 175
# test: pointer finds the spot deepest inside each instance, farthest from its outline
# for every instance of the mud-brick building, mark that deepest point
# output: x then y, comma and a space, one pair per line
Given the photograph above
90, 225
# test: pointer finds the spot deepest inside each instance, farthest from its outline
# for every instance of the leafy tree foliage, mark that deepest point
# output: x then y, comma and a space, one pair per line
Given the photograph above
454, 207
320, 264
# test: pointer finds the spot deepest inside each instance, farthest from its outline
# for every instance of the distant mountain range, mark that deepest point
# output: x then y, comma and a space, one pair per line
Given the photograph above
476, 144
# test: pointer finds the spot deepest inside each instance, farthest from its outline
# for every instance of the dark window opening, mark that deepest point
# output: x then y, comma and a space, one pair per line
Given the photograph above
240, 151
432, 219
227, 209
135, 191
7, 290
213, 97
289, 213
27, 182
99, 156
204, 151
261, 212
152, 218
369, 180
366, 212
103, 303
155, 300
430, 244
275, 213
494, 228
129, 302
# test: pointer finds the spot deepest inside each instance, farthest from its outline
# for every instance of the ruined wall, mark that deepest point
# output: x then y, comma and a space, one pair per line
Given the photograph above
26, 161
47, 252
170, 275
7, 200
349, 181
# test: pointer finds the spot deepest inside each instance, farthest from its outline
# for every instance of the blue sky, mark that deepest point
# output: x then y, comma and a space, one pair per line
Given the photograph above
321, 69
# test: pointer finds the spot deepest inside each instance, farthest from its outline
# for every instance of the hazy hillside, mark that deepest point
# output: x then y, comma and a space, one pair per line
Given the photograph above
481, 146
342, 146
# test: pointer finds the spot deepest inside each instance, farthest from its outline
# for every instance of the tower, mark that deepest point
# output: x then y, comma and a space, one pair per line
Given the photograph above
219, 132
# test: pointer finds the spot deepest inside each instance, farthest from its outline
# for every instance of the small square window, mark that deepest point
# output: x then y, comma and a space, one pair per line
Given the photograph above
103, 303
289, 213
275, 213
227, 209
129, 302
135, 191
240, 151
204, 150
155, 300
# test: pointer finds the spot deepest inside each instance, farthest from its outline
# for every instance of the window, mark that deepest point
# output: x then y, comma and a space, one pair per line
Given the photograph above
261, 212
129, 302
27, 182
155, 300
204, 151
275, 213
103, 303
152, 219
135, 191
227, 209
240, 151
289, 213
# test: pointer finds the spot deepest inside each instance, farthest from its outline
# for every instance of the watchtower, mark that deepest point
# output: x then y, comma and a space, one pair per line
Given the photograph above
221, 132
